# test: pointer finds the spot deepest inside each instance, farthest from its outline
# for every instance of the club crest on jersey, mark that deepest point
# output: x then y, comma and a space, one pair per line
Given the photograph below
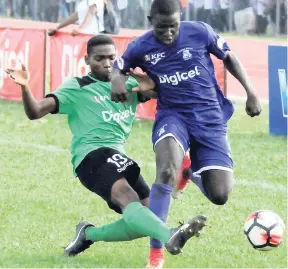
186, 54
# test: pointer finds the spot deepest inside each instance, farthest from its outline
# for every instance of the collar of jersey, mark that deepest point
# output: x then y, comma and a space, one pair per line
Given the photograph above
97, 80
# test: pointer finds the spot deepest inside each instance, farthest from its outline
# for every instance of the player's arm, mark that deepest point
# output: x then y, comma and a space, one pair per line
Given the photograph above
119, 92
218, 47
90, 13
234, 66
70, 20
130, 59
33, 108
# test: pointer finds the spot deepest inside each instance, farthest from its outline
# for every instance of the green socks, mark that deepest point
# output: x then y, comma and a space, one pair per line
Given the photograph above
138, 221
142, 220
116, 231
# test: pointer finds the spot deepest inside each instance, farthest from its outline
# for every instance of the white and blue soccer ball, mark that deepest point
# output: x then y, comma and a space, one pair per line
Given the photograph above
264, 230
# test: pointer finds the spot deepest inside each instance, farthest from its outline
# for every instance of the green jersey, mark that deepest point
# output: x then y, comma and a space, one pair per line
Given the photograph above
93, 118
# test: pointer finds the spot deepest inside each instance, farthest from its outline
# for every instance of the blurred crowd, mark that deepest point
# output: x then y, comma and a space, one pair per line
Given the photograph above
241, 16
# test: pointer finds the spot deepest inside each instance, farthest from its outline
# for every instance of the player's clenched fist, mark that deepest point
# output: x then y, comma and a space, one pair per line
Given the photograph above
253, 107
119, 92
19, 76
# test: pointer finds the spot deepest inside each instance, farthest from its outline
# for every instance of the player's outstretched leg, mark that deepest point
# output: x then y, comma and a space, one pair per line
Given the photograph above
138, 221
174, 239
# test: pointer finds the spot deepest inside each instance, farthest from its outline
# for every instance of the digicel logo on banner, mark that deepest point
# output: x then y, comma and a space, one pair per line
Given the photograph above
72, 64
67, 56
10, 58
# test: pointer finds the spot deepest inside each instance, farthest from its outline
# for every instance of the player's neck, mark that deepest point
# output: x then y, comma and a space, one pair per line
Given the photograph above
99, 77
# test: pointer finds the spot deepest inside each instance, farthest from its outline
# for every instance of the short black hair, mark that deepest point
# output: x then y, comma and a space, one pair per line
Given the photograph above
165, 7
99, 40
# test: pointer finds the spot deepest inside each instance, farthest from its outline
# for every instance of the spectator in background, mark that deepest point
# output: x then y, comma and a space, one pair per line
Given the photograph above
63, 12
260, 9
70, 5
123, 11
244, 17
15, 6
52, 10
200, 13
97, 16
132, 13
224, 15
90, 16
2, 7
271, 11
208, 6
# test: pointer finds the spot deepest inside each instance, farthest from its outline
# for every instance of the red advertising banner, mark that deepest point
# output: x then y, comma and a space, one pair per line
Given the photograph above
22, 46
67, 56
67, 60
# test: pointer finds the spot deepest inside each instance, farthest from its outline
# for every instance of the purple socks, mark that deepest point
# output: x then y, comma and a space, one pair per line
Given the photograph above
159, 203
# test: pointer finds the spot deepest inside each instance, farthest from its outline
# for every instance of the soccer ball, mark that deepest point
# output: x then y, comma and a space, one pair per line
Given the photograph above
264, 230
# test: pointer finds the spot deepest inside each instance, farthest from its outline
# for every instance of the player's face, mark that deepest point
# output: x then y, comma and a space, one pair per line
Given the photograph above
166, 27
101, 60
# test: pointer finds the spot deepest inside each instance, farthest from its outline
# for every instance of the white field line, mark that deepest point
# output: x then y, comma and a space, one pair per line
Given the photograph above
49, 148
241, 182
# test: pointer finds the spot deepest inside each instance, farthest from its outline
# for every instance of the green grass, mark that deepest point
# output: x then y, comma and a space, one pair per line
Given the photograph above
41, 201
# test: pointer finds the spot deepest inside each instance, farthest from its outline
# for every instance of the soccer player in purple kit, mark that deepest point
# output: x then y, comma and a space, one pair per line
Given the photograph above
192, 112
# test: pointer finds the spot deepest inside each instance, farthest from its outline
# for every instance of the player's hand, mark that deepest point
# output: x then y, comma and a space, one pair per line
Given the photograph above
108, 4
75, 32
145, 82
52, 32
253, 107
19, 76
119, 92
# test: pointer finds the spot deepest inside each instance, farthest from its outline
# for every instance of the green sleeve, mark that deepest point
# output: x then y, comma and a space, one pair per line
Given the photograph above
137, 97
66, 96
131, 83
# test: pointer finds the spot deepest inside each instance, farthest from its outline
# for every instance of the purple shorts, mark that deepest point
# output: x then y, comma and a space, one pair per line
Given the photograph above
208, 143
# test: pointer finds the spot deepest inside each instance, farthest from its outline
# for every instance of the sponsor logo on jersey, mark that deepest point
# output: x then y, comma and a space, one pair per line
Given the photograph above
125, 167
162, 130
117, 116
179, 76
154, 58
99, 99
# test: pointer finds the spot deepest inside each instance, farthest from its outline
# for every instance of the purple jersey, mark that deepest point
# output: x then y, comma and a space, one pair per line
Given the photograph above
183, 72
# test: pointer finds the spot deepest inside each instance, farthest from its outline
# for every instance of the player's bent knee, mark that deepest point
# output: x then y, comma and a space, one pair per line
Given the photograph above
219, 199
168, 175
218, 185
122, 194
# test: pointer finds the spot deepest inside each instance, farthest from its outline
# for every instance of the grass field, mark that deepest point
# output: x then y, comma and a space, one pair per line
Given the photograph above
41, 201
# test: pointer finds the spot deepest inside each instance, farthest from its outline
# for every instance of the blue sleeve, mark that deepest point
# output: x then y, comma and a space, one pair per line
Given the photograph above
128, 60
216, 45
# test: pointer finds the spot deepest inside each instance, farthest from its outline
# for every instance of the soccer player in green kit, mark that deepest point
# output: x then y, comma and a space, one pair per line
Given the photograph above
100, 128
